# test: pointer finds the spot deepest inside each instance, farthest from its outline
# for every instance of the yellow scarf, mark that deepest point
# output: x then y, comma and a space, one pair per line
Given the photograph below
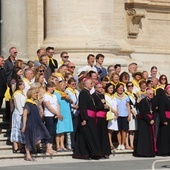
141, 92
110, 95
115, 84
52, 60
57, 74
61, 63
72, 90
121, 98
123, 84
162, 86
18, 91
37, 59
26, 80
135, 83
49, 94
63, 94
154, 89
130, 94
30, 101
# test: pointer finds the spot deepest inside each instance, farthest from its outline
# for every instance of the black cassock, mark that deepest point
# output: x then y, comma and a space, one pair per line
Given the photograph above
163, 142
101, 124
87, 140
145, 142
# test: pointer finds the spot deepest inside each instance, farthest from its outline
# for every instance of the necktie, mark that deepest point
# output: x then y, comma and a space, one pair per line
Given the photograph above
52, 61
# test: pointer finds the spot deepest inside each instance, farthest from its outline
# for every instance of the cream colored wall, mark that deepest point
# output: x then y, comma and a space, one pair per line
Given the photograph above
124, 31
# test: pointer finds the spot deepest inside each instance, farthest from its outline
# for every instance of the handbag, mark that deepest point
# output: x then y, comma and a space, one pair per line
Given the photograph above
109, 115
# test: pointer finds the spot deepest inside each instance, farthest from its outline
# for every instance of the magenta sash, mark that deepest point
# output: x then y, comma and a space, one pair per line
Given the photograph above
167, 114
101, 114
150, 116
91, 113
153, 131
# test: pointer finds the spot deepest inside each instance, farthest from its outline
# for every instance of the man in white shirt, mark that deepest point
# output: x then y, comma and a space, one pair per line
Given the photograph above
132, 68
90, 64
28, 76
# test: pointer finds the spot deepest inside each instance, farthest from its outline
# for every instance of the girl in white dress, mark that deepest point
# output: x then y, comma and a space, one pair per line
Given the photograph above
19, 102
111, 102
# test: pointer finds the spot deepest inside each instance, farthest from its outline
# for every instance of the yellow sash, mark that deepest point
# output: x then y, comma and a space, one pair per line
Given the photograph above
30, 101
52, 60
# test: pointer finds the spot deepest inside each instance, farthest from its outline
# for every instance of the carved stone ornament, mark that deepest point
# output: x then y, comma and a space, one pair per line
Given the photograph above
134, 20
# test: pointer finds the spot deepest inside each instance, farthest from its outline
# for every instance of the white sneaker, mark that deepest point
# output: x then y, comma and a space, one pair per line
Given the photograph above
122, 147
119, 147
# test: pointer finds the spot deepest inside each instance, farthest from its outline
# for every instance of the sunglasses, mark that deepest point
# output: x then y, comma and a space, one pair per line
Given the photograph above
41, 71
163, 78
72, 67
65, 56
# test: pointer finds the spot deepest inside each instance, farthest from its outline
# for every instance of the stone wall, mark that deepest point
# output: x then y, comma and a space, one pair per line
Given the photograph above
124, 31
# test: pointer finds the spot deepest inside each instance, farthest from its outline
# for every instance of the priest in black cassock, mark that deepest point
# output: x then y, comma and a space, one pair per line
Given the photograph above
87, 144
163, 141
145, 141
101, 123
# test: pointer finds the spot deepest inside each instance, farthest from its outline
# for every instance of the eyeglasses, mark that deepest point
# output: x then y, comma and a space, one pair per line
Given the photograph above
41, 71
72, 67
130, 86
163, 78
65, 56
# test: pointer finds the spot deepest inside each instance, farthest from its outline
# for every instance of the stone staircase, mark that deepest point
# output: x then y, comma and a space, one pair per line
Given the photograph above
6, 145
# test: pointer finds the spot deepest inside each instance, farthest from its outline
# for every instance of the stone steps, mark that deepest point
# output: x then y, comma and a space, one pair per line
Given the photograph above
7, 154
6, 145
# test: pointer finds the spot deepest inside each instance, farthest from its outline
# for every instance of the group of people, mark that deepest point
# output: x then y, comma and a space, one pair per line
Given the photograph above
48, 103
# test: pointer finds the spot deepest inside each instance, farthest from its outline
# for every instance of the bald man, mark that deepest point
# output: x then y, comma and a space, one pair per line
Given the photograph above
145, 145
87, 141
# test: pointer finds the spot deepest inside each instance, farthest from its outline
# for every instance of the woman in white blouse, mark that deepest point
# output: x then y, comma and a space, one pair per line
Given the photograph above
111, 102
19, 102
51, 113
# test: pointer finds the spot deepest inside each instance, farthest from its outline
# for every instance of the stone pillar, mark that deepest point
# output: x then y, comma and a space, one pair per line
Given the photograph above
80, 25
14, 27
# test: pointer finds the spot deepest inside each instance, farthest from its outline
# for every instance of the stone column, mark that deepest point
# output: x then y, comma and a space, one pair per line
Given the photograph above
14, 27
80, 25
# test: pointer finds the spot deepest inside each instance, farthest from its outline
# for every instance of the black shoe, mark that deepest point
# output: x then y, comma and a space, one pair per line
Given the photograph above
16, 151
96, 157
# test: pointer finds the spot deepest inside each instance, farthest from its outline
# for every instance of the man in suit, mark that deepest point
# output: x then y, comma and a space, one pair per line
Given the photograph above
3, 80
9, 64
9, 69
52, 63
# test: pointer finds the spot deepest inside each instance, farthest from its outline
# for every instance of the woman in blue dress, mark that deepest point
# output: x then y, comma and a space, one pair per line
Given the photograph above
33, 127
65, 125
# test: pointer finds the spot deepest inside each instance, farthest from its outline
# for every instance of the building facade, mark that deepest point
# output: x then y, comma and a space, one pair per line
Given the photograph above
124, 31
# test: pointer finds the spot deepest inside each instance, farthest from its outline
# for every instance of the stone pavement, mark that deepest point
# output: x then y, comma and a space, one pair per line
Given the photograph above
117, 161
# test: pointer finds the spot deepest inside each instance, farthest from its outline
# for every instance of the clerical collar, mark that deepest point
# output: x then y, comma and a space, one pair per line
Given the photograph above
148, 98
